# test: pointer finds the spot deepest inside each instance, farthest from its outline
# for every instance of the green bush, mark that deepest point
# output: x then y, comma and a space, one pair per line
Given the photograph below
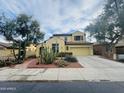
7, 62
13, 61
47, 57
70, 59
2, 64
64, 54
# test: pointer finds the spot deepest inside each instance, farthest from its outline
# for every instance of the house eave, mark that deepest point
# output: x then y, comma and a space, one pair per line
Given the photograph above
62, 34
78, 43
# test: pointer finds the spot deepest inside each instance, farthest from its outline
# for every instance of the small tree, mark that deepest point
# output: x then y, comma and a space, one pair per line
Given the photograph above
22, 31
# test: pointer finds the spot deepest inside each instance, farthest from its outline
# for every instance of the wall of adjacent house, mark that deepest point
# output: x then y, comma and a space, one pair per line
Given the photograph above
102, 50
7, 52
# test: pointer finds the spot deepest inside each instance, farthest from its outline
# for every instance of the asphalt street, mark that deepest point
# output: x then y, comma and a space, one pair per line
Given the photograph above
62, 87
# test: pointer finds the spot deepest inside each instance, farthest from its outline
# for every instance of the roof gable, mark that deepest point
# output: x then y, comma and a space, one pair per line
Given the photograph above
78, 32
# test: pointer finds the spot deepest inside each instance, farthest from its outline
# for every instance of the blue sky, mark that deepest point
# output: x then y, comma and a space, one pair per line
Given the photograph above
55, 16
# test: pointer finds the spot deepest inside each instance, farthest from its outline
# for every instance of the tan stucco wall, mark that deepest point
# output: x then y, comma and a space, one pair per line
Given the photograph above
30, 53
31, 48
49, 43
7, 52
55, 40
69, 38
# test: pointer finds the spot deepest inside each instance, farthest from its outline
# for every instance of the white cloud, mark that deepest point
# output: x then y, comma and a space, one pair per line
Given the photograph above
55, 16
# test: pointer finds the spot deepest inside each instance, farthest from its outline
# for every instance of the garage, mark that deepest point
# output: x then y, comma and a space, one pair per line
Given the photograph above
80, 51
120, 53
119, 50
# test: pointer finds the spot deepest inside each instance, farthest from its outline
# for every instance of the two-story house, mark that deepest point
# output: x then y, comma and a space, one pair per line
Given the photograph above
74, 43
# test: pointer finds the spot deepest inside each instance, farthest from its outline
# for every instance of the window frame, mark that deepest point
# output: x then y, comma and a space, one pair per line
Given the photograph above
55, 47
78, 38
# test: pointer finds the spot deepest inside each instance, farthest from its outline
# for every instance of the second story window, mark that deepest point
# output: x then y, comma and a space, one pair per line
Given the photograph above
65, 39
78, 38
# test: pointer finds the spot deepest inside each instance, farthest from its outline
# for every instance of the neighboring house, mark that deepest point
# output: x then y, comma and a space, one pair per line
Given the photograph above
74, 43
119, 50
117, 53
99, 49
6, 50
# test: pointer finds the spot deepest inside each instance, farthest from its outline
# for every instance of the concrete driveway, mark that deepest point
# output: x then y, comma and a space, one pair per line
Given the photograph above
97, 68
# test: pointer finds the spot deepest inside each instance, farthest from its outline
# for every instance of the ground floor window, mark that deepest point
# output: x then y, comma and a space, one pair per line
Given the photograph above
55, 48
67, 48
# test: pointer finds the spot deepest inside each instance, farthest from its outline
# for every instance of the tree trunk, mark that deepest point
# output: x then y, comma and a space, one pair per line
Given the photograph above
13, 49
19, 53
24, 55
14, 53
24, 51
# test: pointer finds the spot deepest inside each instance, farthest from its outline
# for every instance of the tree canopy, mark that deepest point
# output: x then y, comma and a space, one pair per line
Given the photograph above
109, 26
22, 31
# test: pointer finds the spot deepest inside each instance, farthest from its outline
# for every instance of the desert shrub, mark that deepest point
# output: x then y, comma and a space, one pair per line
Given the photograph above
7, 62
60, 63
14, 62
2, 64
48, 56
10, 61
70, 59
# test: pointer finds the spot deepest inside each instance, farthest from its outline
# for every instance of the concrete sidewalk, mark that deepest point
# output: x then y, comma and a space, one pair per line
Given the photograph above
95, 69
52, 74
56, 74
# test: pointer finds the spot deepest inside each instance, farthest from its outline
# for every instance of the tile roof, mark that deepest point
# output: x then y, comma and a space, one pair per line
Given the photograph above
62, 34
7, 45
